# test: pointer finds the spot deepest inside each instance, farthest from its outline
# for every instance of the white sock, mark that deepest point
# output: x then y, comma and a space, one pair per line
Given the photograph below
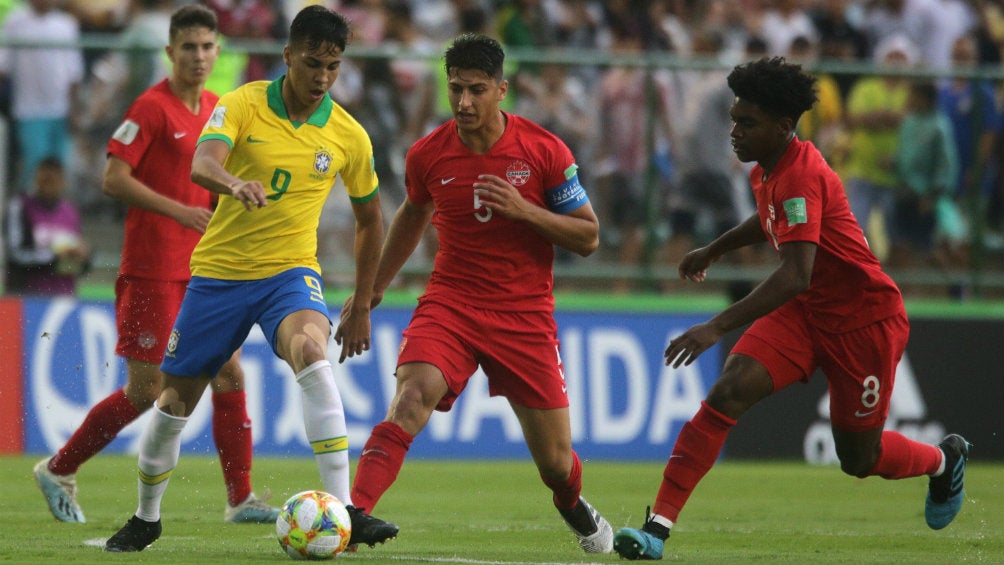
324, 422
159, 450
662, 521
941, 466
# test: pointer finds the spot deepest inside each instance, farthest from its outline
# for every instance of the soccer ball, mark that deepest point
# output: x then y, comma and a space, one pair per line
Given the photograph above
313, 525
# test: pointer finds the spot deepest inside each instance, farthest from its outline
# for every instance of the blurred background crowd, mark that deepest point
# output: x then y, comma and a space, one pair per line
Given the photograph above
909, 114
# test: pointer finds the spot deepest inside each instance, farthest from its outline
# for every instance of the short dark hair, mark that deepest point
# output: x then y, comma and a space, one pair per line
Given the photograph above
926, 90
474, 51
777, 87
316, 25
192, 15
51, 162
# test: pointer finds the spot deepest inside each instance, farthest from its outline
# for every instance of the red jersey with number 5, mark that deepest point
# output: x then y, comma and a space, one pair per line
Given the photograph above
485, 259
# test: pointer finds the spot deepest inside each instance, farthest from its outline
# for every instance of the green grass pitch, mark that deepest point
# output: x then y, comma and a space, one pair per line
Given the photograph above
499, 513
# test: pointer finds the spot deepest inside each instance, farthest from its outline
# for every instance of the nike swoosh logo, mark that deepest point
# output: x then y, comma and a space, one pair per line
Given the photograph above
180, 134
253, 140
447, 181
860, 414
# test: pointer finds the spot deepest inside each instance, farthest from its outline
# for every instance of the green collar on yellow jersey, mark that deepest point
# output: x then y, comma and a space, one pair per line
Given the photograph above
318, 118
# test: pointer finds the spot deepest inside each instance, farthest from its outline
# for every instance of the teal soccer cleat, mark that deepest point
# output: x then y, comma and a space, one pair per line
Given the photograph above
252, 511
945, 492
646, 543
634, 544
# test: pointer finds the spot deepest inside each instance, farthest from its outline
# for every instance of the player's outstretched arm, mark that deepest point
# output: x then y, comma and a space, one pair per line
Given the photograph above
694, 265
788, 280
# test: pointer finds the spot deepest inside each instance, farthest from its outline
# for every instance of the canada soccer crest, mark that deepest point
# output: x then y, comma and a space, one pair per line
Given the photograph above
322, 161
517, 173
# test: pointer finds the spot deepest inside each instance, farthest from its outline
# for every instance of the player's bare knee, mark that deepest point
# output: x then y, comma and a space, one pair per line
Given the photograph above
170, 403
554, 466
409, 401
726, 398
304, 349
143, 396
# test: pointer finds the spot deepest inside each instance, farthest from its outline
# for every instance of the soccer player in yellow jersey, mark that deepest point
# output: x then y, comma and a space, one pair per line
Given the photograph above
272, 151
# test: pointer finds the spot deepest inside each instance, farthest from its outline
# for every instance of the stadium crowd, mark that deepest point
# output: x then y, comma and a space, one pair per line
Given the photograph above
909, 109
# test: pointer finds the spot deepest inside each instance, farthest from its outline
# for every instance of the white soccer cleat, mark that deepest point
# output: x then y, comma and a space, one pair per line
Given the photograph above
599, 537
60, 492
252, 511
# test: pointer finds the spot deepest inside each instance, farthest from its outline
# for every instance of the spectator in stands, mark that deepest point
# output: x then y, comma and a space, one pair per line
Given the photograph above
822, 123
414, 78
926, 167
710, 197
875, 108
839, 39
261, 20
623, 156
931, 25
977, 122
783, 22
46, 251
43, 83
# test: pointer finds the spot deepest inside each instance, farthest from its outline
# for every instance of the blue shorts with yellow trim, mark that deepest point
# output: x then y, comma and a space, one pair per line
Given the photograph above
216, 317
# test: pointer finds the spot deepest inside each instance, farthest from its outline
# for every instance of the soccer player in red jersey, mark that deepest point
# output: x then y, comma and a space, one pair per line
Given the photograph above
827, 305
149, 161
501, 192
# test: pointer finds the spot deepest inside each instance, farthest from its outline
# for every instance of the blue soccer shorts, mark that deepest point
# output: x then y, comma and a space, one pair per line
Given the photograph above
216, 317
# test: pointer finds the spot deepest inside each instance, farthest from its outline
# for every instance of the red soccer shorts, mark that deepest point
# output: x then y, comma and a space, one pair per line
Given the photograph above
145, 311
518, 351
860, 365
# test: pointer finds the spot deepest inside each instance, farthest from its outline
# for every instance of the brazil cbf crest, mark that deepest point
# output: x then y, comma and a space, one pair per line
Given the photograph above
172, 342
322, 161
517, 173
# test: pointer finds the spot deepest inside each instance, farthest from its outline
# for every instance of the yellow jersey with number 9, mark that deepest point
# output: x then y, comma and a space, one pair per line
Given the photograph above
297, 164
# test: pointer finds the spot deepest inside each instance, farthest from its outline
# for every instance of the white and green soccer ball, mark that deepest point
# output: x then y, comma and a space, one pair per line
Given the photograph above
313, 525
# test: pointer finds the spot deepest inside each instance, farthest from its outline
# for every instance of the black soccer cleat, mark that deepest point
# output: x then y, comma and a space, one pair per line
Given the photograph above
135, 535
368, 529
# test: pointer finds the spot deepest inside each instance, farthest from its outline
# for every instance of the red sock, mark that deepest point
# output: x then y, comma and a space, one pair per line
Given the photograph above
566, 492
103, 423
232, 434
379, 464
902, 458
696, 450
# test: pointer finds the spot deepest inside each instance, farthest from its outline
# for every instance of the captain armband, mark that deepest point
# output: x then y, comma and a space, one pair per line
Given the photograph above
566, 197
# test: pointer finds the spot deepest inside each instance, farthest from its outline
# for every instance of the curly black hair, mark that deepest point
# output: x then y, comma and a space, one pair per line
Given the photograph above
777, 87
